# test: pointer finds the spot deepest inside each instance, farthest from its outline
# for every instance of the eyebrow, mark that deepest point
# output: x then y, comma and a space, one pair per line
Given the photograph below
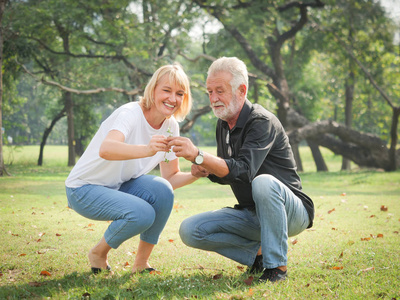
169, 87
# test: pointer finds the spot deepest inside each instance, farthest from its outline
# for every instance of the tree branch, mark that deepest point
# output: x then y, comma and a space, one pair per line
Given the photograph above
80, 92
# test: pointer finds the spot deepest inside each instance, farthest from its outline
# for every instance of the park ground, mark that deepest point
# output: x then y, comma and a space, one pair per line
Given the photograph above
351, 252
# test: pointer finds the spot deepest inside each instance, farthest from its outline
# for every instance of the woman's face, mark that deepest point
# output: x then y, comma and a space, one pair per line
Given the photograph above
167, 97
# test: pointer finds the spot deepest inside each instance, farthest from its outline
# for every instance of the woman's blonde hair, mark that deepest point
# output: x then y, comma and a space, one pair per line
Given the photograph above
177, 77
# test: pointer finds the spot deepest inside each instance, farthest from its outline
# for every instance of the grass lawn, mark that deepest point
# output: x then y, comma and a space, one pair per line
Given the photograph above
352, 252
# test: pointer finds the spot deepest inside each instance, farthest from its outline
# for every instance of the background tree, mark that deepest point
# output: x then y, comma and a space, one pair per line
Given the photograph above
277, 34
102, 53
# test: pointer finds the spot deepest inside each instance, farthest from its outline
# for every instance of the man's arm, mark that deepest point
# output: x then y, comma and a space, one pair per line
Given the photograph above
183, 147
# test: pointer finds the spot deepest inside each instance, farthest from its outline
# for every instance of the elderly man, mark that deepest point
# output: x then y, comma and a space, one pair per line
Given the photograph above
255, 158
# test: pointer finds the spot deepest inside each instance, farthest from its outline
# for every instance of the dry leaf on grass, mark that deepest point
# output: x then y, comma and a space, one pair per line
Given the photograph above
217, 276
249, 280
45, 273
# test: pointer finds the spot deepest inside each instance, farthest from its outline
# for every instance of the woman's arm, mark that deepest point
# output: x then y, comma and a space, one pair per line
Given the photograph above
115, 148
170, 171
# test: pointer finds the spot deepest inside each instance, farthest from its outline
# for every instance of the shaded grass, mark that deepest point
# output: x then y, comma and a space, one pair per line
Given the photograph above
341, 257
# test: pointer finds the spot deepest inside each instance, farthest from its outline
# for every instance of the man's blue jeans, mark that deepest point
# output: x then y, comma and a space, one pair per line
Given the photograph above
141, 206
238, 233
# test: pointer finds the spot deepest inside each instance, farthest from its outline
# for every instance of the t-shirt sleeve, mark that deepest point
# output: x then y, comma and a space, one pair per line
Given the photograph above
123, 123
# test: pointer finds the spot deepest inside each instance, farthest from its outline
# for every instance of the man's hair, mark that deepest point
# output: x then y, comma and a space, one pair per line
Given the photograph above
177, 77
234, 66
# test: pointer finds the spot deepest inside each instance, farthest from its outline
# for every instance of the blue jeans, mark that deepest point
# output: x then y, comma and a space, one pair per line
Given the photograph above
238, 233
141, 206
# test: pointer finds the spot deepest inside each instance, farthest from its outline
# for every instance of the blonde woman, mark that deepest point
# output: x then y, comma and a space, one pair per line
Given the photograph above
110, 181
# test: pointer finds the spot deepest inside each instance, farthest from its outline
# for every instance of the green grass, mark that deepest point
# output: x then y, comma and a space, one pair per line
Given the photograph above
352, 252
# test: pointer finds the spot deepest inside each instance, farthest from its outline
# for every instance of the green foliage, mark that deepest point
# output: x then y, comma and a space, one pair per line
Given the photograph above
120, 44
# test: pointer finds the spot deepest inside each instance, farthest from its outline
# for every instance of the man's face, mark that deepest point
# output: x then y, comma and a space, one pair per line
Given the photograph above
224, 103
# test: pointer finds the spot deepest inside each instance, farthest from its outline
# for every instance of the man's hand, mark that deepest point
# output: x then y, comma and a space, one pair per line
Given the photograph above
183, 147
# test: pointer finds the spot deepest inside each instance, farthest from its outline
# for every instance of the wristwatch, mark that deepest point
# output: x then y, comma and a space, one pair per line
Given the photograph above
199, 158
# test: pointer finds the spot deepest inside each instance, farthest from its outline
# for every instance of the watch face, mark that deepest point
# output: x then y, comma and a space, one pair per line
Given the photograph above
199, 160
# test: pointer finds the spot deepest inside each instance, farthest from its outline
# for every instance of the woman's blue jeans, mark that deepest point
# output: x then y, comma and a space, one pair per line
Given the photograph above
238, 233
141, 206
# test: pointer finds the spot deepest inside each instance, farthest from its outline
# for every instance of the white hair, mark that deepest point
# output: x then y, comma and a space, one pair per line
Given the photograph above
234, 66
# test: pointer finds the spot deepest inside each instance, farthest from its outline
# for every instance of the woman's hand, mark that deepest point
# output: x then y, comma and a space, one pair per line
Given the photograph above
158, 143
199, 171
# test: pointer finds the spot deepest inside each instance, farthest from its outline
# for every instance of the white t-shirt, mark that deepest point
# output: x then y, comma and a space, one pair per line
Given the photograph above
128, 119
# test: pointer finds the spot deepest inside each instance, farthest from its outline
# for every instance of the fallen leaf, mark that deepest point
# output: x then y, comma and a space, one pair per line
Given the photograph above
249, 280
241, 268
155, 272
343, 194
372, 216
384, 208
365, 239
22, 254
90, 224
217, 276
45, 273
57, 234
368, 269
36, 284
365, 270
126, 264
336, 268
41, 234
251, 292
171, 240
380, 235
341, 255
333, 228
330, 211
86, 295
294, 242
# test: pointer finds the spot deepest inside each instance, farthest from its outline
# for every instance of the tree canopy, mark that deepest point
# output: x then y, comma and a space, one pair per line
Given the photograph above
328, 69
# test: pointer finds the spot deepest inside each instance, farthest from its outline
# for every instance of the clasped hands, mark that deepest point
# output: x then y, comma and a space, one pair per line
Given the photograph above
183, 147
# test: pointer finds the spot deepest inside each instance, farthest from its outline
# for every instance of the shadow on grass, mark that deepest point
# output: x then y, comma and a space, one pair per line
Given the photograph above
125, 285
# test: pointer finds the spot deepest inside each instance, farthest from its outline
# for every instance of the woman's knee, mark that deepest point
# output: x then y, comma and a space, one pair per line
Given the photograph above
163, 191
142, 216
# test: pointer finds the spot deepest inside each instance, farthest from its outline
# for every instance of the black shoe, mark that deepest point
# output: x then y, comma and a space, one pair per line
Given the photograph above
273, 275
257, 266
99, 270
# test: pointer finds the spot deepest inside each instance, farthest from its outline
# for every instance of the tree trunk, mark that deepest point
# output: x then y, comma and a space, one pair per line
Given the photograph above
318, 158
297, 157
349, 96
3, 170
46, 134
394, 138
71, 133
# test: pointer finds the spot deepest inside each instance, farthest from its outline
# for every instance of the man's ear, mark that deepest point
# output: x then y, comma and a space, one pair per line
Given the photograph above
243, 89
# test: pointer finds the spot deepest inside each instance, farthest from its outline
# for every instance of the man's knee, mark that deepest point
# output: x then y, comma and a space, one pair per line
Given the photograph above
186, 232
263, 184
